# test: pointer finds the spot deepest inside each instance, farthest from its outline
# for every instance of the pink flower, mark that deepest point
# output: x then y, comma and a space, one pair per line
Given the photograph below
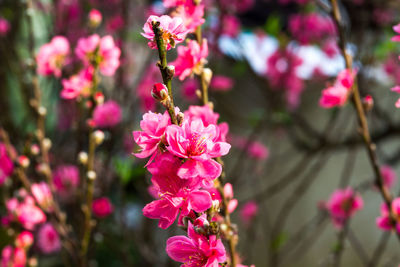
174, 3
248, 212
42, 195
13, 257
196, 250
396, 38
204, 113
388, 175
102, 207
191, 59
25, 212
173, 31
189, 87
48, 239
397, 90
231, 26
115, 23
106, 115
175, 194
221, 83
281, 70
6, 164
101, 51
197, 144
95, 17
228, 193
336, 95
383, 222
258, 151
24, 240
66, 179
4, 26
153, 127
52, 56
78, 85
343, 204
191, 14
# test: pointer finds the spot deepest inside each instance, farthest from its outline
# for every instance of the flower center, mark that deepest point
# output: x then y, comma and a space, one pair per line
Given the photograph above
197, 145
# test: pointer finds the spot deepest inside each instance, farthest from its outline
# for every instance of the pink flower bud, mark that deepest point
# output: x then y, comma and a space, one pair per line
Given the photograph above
23, 161
159, 92
228, 191
24, 239
368, 102
95, 18
232, 205
99, 98
102, 207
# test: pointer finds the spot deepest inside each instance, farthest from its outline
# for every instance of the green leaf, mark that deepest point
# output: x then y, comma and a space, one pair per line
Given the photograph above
279, 241
273, 25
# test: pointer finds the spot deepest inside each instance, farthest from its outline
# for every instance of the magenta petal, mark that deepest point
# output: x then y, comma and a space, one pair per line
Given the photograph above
396, 38
209, 169
162, 210
180, 248
384, 223
200, 200
219, 149
188, 170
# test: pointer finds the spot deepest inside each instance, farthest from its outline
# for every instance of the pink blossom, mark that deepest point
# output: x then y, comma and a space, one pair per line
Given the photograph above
228, 193
6, 164
396, 28
48, 239
4, 26
330, 48
175, 194
101, 51
78, 85
189, 87
24, 239
66, 179
221, 83
95, 17
281, 71
174, 3
173, 31
383, 222
248, 211
258, 150
191, 14
52, 56
25, 212
115, 23
13, 257
106, 115
196, 143
191, 59
397, 90
42, 194
388, 175
337, 95
102, 207
153, 127
343, 204
231, 26
196, 249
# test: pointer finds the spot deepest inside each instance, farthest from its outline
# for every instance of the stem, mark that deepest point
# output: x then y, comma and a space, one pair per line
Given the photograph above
362, 120
167, 74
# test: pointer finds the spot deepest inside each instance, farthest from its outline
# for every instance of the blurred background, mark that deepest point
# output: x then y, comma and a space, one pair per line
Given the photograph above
271, 59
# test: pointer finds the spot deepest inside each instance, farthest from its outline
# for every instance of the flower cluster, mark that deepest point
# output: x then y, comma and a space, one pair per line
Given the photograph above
337, 95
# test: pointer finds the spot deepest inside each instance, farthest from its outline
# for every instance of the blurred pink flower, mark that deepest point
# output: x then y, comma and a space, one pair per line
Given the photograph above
174, 3
95, 17
106, 115
52, 56
189, 87
48, 239
24, 240
6, 164
4, 26
221, 83
196, 250
173, 30
311, 27
231, 26
343, 204
102, 207
388, 175
42, 194
397, 90
101, 51
13, 257
337, 94
66, 179
191, 14
191, 59
248, 211
25, 212
115, 24
396, 28
78, 85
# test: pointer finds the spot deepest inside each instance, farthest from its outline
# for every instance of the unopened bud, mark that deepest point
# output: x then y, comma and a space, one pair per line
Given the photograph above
98, 137
215, 205
35, 149
47, 143
91, 175
159, 92
368, 102
180, 118
95, 18
43, 168
170, 71
223, 227
42, 111
207, 74
23, 161
228, 191
83, 157
99, 98
33, 262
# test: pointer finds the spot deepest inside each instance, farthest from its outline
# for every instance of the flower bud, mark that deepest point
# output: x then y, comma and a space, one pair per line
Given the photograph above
159, 92
91, 175
170, 71
180, 118
207, 74
228, 191
35, 149
24, 239
98, 137
95, 18
42, 111
47, 143
99, 98
23, 161
368, 102
83, 157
